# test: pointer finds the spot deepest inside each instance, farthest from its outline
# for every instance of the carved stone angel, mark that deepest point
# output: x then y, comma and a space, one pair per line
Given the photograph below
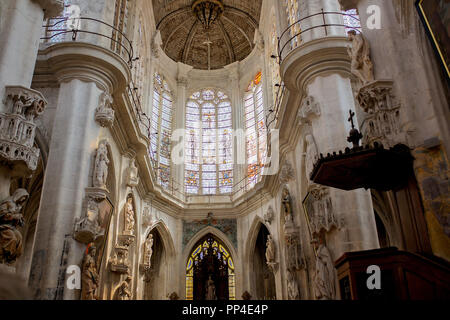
129, 217
270, 249
10, 219
324, 276
101, 166
287, 205
148, 251
359, 52
89, 276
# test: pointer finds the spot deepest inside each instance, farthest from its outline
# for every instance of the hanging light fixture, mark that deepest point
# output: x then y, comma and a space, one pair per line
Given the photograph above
207, 11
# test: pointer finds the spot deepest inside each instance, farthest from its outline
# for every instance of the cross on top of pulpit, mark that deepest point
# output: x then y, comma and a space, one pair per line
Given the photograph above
352, 114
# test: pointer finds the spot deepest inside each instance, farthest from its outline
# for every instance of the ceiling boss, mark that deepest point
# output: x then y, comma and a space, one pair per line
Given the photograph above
207, 11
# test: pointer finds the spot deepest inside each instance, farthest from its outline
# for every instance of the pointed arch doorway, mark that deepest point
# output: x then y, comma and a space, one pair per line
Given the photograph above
210, 271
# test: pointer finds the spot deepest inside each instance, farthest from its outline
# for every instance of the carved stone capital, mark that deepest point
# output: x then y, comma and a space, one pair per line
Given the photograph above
18, 127
104, 114
182, 81
52, 8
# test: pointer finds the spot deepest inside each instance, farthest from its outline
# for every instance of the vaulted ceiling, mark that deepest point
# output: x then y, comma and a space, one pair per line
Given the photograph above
184, 37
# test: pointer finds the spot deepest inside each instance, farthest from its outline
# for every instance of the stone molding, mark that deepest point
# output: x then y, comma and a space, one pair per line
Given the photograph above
320, 56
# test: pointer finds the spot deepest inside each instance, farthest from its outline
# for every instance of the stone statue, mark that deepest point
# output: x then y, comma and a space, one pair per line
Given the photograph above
89, 276
10, 219
101, 166
293, 292
104, 114
268, 216
311, 155
324, 276
148, 251
287, 205
210, 289
129, 217
123, 292
132, 179
270, 249
359, 52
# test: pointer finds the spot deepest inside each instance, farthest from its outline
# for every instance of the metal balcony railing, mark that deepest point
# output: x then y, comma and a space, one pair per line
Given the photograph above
64, 29
329, 22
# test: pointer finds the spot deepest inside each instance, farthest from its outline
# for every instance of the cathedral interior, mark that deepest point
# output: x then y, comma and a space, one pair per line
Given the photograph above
224, 150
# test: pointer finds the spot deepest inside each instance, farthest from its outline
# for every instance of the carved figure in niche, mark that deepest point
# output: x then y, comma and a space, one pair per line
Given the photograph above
359, 52
10, 219
311, 155
270, 249
123, 292
287, 205
129, 217
89, 276
101, 166
148, 251
210, 289
324, 276
293, 292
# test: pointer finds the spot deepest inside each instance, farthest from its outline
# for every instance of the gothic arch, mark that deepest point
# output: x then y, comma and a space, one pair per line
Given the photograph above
215, 232
190, 247
251, 244
166, 237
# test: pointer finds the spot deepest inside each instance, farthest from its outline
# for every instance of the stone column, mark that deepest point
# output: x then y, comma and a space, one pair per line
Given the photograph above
180, 119
75, 139
238, 125
21, 26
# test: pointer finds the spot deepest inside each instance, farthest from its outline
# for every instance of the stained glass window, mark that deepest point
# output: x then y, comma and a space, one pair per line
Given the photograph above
161, 129
256, 132
199, 253
293, 14
352, 20
209, 152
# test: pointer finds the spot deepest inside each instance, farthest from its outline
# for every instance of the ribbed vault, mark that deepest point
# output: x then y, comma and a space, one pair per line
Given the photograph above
185, 39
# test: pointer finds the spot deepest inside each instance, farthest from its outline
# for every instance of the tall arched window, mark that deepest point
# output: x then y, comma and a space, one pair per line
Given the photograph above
161, 128
209, 151
256, 132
